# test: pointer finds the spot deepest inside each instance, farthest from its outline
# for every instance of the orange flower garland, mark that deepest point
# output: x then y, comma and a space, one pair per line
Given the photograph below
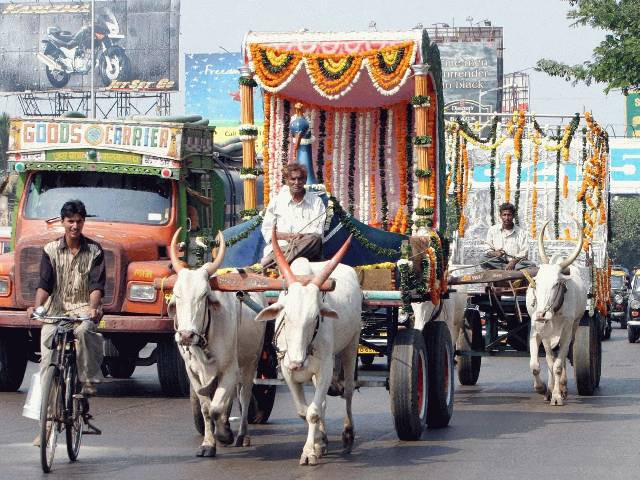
265, 146
565, 186
273, 66
534, 195
333, 75
507, 177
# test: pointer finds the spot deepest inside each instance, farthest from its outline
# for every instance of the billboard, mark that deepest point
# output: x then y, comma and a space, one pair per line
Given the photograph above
624, 167
47, 46
633, 114
470, 76
211, 90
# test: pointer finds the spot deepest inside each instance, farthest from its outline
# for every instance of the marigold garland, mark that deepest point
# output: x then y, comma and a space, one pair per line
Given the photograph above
507, 177
517, 151
534, 194
265, 146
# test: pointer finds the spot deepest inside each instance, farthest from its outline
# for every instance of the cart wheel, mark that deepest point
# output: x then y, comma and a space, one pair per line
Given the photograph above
607, 329
441, 382
408, 380
470, 339
632, 334
586, 357
196, 410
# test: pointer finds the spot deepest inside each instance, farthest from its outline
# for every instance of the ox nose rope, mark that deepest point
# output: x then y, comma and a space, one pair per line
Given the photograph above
555, 302
308, 351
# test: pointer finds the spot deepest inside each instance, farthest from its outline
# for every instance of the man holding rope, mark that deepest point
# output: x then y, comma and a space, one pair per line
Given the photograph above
299, 216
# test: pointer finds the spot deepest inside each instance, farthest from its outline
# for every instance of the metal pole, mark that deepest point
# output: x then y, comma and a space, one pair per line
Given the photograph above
93, 58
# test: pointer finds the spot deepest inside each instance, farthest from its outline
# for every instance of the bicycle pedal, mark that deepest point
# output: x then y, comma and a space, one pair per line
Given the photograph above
79, 396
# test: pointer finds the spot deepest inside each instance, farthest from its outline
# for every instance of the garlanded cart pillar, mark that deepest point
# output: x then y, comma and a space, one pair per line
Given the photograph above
248, 134
425, 167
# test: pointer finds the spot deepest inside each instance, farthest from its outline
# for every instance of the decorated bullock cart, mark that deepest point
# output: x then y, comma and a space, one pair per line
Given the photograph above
363, 113
554, 174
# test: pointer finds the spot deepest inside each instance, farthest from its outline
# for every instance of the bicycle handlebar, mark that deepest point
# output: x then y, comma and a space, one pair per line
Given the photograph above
43, 318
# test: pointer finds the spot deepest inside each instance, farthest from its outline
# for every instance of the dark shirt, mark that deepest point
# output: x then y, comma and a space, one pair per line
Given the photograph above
69, 279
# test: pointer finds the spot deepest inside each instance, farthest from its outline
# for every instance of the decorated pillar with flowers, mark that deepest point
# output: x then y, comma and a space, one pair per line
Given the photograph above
248, 134
425, 195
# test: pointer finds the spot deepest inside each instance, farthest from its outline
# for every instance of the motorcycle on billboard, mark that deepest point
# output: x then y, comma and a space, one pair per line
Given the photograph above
65, 53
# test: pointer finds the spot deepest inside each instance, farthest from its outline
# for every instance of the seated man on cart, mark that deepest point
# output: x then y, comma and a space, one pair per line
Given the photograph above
299, 216
508, 242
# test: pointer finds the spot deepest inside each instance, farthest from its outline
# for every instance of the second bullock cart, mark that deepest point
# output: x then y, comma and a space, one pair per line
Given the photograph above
557, 174
363, 112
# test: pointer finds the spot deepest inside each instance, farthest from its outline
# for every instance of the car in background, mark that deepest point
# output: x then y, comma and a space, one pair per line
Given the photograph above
633, 310
620, 283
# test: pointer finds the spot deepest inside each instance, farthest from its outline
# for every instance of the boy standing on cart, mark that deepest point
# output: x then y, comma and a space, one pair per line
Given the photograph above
508, 242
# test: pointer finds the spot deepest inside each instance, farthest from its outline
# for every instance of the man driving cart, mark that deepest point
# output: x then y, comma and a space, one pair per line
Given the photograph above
509, 246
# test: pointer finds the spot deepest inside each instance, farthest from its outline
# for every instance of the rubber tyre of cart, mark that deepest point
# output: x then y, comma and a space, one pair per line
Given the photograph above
171, 371
196, 410
586, 357
75, 424
441, 387
470, 339
408, 383
606, 334
633, 334
119, 367
263, 396
51, 407
13, 362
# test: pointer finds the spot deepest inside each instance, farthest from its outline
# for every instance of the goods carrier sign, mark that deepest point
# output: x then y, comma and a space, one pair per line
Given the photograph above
158, 140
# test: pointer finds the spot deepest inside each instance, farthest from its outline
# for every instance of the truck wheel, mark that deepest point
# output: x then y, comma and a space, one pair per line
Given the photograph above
441, 383
607, 329
119, 367
470, 339
623, 323
586, 358
632, 334
408, 381
264, 396
198, 419
171, 371
13, 362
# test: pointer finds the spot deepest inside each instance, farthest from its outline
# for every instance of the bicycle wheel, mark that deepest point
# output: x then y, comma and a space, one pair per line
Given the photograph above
73, 411
50, 415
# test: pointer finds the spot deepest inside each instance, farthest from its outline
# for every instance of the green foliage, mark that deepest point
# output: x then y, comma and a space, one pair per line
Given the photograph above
616, 60
625, 231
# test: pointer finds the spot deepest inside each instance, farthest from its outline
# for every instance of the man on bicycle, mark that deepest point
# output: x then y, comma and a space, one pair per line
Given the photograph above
72, 278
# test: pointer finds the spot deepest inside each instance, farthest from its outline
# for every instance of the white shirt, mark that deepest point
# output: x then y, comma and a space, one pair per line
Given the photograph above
306, 216
514, 242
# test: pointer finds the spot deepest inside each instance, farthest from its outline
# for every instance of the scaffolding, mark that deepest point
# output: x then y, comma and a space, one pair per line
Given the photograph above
109, 103
515, 92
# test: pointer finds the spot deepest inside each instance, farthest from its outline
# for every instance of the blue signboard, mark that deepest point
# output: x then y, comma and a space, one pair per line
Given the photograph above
212, 88
624, 165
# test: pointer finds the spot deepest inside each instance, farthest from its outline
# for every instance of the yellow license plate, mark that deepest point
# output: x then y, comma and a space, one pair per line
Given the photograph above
362, 350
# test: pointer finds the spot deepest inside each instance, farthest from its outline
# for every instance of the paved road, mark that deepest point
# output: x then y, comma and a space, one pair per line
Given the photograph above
500, 429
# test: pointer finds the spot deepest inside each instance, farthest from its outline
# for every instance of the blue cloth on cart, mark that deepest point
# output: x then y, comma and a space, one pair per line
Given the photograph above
249, 250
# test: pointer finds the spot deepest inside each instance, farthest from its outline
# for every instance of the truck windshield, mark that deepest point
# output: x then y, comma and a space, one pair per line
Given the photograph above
617, 283
109, 197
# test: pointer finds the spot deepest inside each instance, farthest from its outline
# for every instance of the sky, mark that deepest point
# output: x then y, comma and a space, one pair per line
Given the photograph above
532, 30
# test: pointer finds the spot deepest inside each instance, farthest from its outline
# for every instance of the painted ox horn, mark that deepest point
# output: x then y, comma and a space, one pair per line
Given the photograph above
541, 252
212, 267
319, 279
571, 258
173, 252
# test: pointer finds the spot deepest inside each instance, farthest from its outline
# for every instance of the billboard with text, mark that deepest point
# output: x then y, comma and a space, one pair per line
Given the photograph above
47, 45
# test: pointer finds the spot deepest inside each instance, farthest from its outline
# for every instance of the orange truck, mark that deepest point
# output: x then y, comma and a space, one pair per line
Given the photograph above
140, 179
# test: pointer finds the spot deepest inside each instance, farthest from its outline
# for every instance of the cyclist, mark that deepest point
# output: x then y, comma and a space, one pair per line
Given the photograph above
72, 278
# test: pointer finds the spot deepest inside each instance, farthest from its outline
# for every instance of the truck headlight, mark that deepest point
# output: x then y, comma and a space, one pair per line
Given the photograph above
618, 298
142, 292
5, 286
634, 304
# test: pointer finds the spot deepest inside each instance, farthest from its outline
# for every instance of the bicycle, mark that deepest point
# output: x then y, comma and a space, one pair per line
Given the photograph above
63, 404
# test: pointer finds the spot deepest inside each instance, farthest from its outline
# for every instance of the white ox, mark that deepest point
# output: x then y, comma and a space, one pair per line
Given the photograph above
555, 305
311, 328
220, 344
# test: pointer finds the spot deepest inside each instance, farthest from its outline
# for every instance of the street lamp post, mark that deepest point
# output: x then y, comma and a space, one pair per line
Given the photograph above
481, 93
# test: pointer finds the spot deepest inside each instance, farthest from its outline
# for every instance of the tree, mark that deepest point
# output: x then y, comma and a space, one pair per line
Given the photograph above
625, 231
616, 60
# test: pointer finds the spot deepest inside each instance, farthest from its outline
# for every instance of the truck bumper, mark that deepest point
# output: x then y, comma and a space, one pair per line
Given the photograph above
633, 323
109, 323
617, 314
